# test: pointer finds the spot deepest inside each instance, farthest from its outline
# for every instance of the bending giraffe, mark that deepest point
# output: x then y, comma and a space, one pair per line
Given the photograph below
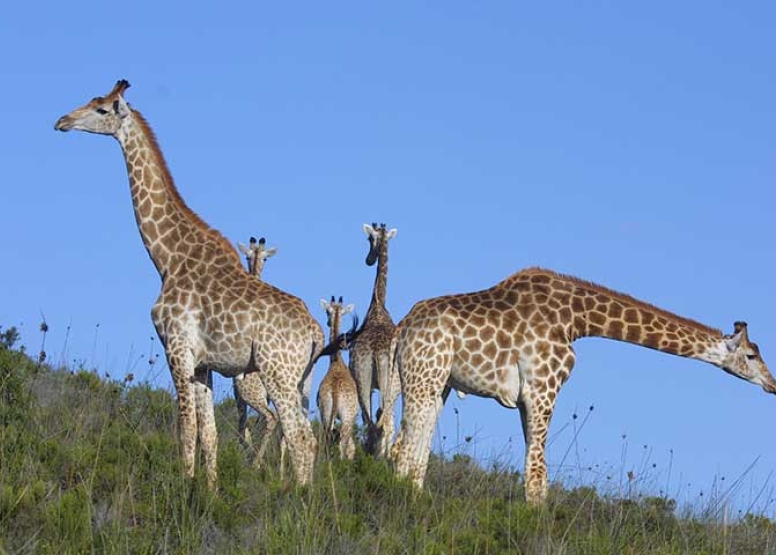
512, 343
337, 394
370, 349
249, 389
210, 313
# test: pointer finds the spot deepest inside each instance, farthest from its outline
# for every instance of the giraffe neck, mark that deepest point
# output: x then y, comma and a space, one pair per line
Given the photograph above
589, 310
334, 330
377, 304
258, 267
167, 225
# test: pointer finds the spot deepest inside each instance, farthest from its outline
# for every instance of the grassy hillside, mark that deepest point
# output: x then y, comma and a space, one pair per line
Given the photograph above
91, 465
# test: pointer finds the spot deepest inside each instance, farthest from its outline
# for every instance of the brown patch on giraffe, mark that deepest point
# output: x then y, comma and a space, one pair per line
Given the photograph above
565, 314
490, 350
487, 333
633, 334
615, 310
630, 316
476, 360
577, 304
652, 340
503, 340
595, 331
615, 328
597, 318
542, 349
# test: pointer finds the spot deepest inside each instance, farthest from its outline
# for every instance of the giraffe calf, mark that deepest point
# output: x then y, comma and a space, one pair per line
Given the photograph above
337, 395
249, 390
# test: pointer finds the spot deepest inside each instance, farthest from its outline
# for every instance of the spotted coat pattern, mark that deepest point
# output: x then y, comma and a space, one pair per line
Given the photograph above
512, 343
210, 314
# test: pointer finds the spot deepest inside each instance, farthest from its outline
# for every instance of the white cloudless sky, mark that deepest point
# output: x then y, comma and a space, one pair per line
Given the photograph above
631, 145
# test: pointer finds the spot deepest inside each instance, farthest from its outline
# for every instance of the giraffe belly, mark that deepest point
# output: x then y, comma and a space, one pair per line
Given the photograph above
499, 383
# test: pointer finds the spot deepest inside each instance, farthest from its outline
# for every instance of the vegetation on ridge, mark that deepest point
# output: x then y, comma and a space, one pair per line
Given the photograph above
91, 465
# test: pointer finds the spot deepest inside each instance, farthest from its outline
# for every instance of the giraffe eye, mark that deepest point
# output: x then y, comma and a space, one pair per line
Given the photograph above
751, 356
101, 111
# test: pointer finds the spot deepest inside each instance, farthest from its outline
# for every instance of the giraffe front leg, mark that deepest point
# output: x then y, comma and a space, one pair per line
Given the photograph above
537, 402
206, 424
181, 362
536, 412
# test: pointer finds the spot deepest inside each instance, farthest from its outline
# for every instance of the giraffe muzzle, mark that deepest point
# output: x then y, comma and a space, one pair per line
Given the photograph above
65, 123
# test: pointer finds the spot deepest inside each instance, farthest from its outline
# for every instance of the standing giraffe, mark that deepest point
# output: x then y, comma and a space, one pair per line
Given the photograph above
248, 388
337, 394
512, 343
370, 350
210, 313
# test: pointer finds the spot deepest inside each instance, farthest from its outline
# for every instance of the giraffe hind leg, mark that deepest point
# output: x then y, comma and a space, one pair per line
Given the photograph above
424, 395
252, 391
296, 428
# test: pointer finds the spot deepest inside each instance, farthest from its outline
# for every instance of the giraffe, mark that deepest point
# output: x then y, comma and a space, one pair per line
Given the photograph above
337, 394
248, 388
370, 348
512, 343
210, 313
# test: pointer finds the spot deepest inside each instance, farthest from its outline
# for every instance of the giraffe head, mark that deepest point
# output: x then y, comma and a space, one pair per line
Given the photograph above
103, 114
378, 236
335, 310
256, 254
743, 359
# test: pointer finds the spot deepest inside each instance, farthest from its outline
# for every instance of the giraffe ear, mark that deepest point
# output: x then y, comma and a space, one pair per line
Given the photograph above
391, 233
369, 230
324, 304
243, 249
120, 106
733, 342
348, 308
270, 252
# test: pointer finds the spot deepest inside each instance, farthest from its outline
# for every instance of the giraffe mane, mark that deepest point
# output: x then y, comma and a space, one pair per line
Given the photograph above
175, 194
624, 297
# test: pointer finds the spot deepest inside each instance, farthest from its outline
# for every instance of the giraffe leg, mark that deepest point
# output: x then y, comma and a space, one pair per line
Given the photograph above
251, 389
389, 392
536, 406
361, 369
346, 442
180, 360
424, 396
206, 423
296, 428
243, 433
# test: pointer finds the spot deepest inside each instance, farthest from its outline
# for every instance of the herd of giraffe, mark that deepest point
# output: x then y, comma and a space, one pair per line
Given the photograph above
511, 342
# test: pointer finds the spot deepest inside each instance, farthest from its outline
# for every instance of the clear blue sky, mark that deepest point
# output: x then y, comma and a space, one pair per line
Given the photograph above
629, 145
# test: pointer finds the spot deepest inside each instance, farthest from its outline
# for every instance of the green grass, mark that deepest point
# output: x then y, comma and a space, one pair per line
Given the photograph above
89, 465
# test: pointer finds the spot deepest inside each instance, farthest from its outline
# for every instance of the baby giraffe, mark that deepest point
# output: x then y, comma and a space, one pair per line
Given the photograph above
337, 395
248, 388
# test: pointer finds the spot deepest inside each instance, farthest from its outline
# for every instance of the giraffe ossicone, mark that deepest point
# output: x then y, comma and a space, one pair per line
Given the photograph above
210, 314
512, 343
